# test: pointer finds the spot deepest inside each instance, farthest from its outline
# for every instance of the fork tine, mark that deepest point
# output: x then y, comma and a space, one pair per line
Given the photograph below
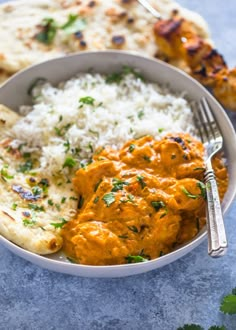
198, 121
205, 122
211, 122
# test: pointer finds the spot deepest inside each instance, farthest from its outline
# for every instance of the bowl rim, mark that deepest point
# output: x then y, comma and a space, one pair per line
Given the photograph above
39, 259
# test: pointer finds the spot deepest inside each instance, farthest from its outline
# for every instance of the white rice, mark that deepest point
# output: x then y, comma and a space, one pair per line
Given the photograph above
121, 111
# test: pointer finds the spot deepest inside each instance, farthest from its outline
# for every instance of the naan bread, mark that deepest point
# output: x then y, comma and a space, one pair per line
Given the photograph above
32, 206
115, 24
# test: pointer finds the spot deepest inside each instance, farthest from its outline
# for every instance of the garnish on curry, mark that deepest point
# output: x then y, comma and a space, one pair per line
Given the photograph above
140, 202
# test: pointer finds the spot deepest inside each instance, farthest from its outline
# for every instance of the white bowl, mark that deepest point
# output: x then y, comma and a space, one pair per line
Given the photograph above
14, 93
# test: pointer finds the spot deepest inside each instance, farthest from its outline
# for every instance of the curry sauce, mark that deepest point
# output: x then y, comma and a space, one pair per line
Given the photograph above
140, 202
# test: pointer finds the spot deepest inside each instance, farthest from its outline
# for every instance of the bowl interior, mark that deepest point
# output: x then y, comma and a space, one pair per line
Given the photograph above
15, 93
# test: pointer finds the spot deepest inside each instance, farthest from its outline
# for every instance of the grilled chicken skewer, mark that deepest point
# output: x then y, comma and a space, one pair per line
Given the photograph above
178, 41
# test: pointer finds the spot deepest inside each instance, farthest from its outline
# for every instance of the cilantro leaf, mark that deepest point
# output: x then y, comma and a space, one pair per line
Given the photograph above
191, 327
81, 202
69, 162
117, 77
134, 259
216, 327
97, 185
59, 224
74, 24
109, 199
228, 304
87, 100
48, 32
28, 222
202, 187
140, 180
5, 175
188, 194
132, 147
26, 167
118, 184
133, 229
36, 207
158, 205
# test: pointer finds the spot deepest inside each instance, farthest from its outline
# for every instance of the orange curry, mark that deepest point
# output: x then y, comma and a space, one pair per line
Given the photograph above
139, 202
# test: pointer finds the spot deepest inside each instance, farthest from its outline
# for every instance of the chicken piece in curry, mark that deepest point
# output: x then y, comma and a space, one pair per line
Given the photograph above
140, 202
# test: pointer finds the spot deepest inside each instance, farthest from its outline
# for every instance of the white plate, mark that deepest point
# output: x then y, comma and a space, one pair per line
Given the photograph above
14, 93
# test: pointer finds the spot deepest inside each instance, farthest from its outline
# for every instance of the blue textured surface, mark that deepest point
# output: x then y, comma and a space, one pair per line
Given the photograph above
187, 291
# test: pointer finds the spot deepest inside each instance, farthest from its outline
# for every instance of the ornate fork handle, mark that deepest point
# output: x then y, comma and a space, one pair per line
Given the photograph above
217, 242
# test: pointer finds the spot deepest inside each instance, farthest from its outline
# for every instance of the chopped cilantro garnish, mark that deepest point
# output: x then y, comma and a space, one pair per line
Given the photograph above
202, 187
199, 169
62, 130
74, 24
97, 185
140, 114
160, 130
36, 191
5, 175
59, 224
14, 206
73, 198
129, 70
134, 259
58, 207
63, 200
50, 202
90, 147
36, 207
148, 159
26, 167
96, 199
163, 214
81, 202
67, 146
109, 199
130, 198
140, 180
132, 147
87, 100
133, 229
117, 77
44, 183
118, 184
158, 205
188, 194
28, 222
48, 32
69, 162
123, 236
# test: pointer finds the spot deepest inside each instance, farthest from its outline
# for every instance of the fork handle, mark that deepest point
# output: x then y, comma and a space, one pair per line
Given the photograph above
217, 241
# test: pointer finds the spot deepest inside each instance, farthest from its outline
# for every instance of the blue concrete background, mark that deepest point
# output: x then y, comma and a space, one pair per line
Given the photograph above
187, 291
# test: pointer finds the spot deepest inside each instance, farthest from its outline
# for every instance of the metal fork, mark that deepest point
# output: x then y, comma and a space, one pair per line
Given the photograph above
213, 141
